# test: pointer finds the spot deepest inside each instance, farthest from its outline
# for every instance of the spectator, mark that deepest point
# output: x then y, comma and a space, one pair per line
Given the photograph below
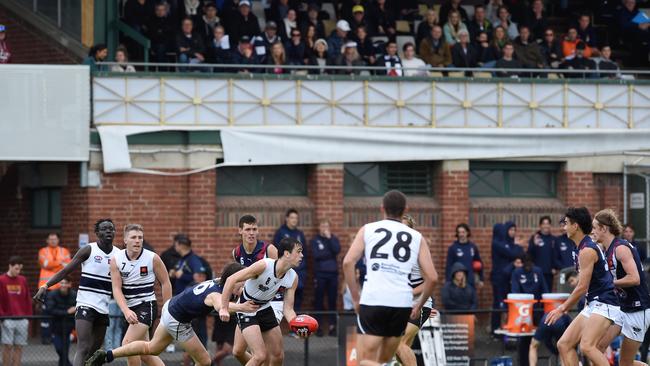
290, 230
364, 46
636, 37
5, 52
434, 50
604, 62
325, 247
586, 32
536, 21
61, 304
541, 248
382, 19
529, 279
570, 42
309, 38
480, 24
266, 40
338, 38
218, 51
277, 58
413, 66
453, 5
205, 24
499, 40
279, 10
51, 258
319, 57
408, 10
465, 252
390, 60
243, 23
137, 14
190, 45
122, 59
453, 27
507, 24
358, 18
527, 51
313, 20
551, 49
492, 10
425, 27
295, 49
116, 327
245, 55
628, 234
288, 23
170, 257
188, 267
486, 54
15, 300
579, 62
507, 61
159, 28
97, 53
458, 293
463, 53
504, 251
565, 252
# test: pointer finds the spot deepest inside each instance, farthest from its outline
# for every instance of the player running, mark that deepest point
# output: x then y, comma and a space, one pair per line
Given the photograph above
134, 270
594, 280
264, 279
625, 264
175, 321
391, 250
94, 293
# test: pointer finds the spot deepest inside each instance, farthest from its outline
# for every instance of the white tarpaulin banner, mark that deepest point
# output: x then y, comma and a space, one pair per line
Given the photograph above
314, 145
44, 112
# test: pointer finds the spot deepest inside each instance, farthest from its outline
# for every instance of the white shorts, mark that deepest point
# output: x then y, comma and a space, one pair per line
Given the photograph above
278, 309
634, 325
181, 332
14, 331
608, 311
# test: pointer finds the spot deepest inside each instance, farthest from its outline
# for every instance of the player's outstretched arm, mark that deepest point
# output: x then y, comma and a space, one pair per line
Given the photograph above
429, 274
118, 295
586, 260
251, 272
289, 296
160, 271
80, 257
624, 254
349, 261
214, 300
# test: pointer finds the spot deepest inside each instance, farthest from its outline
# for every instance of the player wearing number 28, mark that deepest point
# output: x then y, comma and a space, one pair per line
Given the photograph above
391, 250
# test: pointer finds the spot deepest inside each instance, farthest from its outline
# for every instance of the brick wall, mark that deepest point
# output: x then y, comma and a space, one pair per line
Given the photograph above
29, 45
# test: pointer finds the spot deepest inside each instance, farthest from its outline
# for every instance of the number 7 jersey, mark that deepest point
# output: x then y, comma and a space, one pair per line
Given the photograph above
391, 252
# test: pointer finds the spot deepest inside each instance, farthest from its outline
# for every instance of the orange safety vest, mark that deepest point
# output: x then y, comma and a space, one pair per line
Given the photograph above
51, 261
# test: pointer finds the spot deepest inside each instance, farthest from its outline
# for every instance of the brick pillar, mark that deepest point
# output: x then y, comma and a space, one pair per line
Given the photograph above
452, 192
201, 222
325, 190
577, 189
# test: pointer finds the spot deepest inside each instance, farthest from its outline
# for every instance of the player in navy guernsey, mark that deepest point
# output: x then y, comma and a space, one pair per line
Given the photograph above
134, 271
175, 321
248, 252
597, 282
91, 316
625, 264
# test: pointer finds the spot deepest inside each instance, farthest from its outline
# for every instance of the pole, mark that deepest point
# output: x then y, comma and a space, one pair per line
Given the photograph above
306, 352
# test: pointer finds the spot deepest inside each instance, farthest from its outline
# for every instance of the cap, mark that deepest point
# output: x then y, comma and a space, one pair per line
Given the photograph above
244, 2
343, 25
357, 9
245, 39
351, 45
2, 28
320, 40
271, 24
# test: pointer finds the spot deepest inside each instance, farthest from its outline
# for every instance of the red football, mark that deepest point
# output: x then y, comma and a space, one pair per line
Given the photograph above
477, 266
304, 322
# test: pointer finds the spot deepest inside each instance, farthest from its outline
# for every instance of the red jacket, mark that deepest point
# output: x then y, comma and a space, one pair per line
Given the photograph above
15, 299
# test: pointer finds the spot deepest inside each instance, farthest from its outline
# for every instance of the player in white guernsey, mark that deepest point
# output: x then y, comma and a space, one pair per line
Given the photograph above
391, 250
264, 279
134, 271
91, 317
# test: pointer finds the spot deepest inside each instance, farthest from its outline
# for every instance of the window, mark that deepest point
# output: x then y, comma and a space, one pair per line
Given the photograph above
374, 179
46, 208
498, 179
276, 180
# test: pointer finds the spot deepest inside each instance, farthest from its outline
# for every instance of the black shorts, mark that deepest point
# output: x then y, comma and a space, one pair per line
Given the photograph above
224, 332
146, 311
382, 321
424, 315
89, 314
265, 318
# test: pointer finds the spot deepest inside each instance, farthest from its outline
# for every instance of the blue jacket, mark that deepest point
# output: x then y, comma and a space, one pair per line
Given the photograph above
528, 282
285, 232
565, 253
465, 254
189, 264
325, 251
542, 252
457, 298
504, 250
550, 334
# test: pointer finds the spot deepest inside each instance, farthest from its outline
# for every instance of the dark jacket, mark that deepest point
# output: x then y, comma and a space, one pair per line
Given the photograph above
579, 63
189, 264
528, 282
320, 27
536, 26
475, 29
423, 32
588, 36
457, 298
206, 30
325, 251
542, 251
159, 29
551, 52
528, 54
295, 53
340, 61
57, 306
564, 253
504, 250
365, 49
215, 54
465, 254
335, 44
240, 59
240, 26
194, 43
464, 58
284, 232
485, 54
508, 64
137, 15
378, 17
313, 61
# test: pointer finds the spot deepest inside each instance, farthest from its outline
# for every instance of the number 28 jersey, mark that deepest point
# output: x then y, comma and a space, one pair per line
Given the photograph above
391, 252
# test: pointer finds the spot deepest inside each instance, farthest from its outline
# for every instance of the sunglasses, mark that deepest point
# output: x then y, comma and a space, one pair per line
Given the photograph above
295, 35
